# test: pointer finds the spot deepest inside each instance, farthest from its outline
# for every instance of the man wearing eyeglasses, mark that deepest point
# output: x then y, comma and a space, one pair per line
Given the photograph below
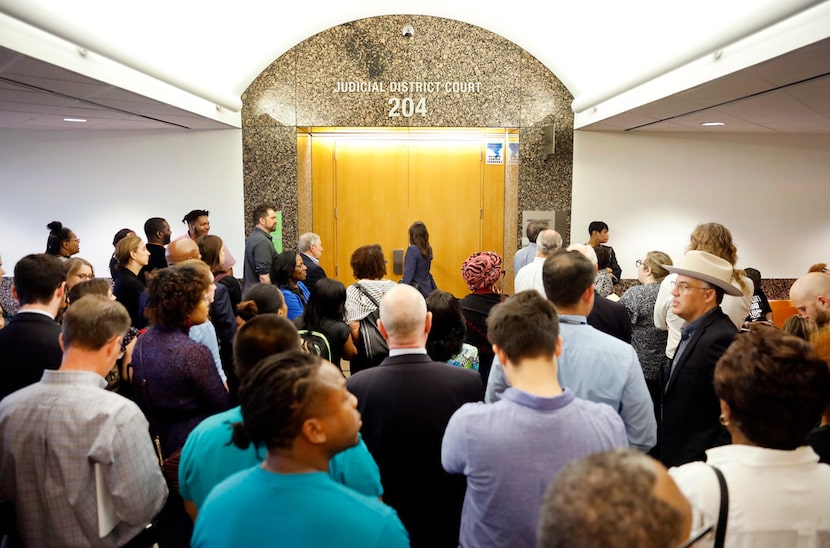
690, 407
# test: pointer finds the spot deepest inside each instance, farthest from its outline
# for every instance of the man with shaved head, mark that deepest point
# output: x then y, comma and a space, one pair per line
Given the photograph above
179, 251
406, 403
810, 295
217, 334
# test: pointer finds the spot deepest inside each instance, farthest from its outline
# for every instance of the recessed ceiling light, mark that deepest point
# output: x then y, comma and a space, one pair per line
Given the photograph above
713, 124
74, 119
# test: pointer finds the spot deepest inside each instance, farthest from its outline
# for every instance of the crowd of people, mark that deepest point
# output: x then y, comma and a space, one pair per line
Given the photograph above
180, 403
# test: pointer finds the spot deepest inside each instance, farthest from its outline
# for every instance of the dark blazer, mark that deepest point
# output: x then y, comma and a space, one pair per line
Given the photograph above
610, 317
406, 403
28, 346
690, 406
314, 272
616, 271
416, 270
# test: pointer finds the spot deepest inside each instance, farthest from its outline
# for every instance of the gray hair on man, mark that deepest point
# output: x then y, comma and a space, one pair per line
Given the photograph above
307, 240
548, 241
586, 250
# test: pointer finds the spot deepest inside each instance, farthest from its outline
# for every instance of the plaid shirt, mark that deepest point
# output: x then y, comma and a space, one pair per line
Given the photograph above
51, 435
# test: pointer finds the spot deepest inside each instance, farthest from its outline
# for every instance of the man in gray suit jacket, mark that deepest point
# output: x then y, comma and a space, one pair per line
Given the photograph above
406, 403
690, 407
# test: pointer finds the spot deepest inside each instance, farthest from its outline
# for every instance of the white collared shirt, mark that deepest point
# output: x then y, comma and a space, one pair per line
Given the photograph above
776, 498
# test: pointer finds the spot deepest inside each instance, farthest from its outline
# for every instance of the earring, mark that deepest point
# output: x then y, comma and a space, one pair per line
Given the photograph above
723, 420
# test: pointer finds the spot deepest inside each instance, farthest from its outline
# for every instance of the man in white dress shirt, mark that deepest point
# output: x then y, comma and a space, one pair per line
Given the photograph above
530, 276
525, 255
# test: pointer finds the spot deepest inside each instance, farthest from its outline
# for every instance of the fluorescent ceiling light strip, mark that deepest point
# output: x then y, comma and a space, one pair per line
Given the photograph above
754, 22
38, 16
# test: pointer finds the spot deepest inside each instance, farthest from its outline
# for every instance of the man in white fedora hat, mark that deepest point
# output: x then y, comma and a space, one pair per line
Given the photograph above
690, 407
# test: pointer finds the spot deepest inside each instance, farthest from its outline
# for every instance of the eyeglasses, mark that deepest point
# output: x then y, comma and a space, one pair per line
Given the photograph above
683, 287
85, 276
638, 263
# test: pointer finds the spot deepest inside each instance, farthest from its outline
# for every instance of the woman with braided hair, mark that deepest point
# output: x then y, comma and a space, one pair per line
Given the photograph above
62, 242
297, 407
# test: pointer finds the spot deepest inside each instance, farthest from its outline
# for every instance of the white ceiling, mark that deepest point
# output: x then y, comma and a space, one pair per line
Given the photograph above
224, 50
787, 94
39, 95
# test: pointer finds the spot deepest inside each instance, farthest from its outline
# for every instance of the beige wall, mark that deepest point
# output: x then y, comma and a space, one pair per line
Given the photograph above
772, 191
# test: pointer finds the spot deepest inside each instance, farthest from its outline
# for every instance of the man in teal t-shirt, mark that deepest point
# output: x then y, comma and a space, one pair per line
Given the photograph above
298, 406
209, 457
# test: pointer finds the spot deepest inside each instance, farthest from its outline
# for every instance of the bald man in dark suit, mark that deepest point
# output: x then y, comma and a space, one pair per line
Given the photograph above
406, 403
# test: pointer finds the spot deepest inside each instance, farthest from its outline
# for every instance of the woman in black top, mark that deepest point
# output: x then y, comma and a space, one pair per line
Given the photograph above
131, 255
324, 313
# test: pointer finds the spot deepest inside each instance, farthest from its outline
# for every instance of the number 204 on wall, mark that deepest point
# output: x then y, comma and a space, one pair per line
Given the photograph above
407, 107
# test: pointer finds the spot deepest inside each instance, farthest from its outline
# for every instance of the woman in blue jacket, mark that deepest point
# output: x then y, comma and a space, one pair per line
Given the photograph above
419, 260
288, 272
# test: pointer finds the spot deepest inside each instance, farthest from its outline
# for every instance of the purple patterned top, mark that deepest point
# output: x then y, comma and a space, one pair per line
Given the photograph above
182, 384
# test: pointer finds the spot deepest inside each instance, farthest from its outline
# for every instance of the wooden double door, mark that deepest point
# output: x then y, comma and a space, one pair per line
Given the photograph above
369, 188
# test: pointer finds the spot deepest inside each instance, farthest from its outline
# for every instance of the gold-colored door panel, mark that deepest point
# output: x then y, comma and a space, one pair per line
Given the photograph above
445, 193
369, 190
371, 198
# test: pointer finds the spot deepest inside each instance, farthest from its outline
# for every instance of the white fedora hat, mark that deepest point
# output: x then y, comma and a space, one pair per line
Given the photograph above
708, 268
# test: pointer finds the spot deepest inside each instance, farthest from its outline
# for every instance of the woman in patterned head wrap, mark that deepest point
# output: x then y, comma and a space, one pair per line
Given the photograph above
482, 273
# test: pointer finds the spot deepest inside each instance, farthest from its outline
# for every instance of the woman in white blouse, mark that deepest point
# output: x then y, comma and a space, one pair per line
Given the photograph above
773, 388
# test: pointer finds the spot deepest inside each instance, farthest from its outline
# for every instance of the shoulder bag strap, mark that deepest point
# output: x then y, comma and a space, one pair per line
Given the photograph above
363, 290
720, 531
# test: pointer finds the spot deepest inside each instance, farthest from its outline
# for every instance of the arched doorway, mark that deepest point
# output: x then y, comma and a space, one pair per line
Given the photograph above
365, 74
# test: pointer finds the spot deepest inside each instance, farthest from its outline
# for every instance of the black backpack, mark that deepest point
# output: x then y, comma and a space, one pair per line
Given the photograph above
316, 343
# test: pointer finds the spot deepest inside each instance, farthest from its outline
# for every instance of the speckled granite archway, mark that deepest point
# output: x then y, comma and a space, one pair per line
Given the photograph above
466, 76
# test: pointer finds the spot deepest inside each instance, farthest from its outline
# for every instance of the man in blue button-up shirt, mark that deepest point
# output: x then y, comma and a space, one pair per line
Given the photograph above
595, 366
